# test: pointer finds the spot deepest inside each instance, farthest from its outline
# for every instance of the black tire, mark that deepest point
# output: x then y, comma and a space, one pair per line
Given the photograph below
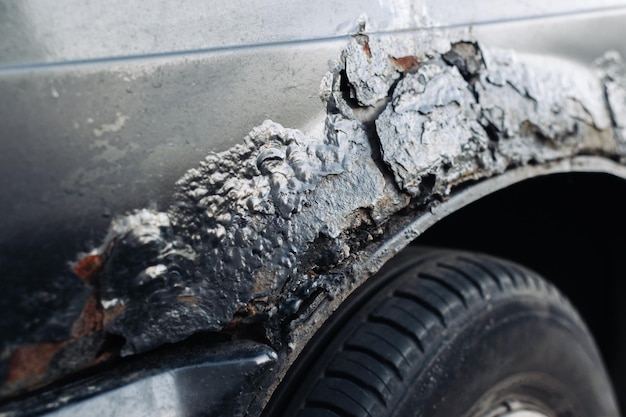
441, 333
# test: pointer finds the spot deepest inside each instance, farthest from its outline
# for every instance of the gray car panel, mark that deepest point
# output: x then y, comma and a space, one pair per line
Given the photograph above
41, 31
91, 130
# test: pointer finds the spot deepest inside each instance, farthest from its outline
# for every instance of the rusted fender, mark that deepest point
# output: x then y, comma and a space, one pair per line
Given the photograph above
258, 231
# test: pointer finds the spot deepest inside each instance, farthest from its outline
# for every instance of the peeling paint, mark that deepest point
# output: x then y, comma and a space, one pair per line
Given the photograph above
435, 111
253, 227
240, 226
469, 115
613, 73
257, 225
260, 231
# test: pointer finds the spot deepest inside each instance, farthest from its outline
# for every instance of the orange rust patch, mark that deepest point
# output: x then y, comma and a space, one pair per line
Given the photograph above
88, 267
31, 361
406, 63
189, 299
366, 48
90, 319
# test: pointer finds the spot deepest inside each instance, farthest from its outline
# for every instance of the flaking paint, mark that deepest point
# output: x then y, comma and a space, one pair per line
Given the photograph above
250, 226
259, 231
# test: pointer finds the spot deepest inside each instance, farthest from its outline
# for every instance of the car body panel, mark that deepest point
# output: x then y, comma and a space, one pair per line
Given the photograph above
95, 126
37, 32
165, 383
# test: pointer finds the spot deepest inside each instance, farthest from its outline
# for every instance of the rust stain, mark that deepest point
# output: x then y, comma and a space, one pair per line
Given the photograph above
111, 313
29, 365
189, 299
363, 40
31, 361
90, 319
366, 48
88, 267
406, 63
244, 311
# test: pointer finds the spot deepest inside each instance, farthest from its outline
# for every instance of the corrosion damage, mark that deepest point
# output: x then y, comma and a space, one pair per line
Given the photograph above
260, 233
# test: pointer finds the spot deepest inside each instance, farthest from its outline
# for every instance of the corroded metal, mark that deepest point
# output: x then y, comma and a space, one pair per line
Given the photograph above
259, 233
250, 226
179, 382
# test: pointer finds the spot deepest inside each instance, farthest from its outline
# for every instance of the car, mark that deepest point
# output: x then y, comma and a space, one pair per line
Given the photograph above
372, 208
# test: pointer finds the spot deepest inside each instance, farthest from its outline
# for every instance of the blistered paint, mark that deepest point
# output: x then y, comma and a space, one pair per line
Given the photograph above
242, 224
435, 110
257, 226
260, 231
613, 73
462, 116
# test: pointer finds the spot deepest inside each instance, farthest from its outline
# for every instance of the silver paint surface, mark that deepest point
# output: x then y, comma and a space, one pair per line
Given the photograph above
42, 32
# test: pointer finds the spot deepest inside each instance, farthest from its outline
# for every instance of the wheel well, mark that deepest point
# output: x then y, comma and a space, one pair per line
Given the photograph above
571, 228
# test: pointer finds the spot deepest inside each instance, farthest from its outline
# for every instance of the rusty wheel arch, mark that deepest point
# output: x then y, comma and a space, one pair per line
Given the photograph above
274, 233
420, 227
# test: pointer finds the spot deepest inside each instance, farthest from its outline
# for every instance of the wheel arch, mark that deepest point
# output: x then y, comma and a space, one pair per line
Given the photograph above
449, 224
263, 241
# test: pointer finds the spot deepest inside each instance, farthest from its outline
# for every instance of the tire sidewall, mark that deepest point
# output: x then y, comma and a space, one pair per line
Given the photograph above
521, 349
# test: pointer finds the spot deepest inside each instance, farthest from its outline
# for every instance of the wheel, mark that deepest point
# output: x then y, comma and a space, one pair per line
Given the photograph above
441, 333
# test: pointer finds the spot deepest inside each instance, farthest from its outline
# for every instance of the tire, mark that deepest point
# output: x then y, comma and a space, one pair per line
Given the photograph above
442, 333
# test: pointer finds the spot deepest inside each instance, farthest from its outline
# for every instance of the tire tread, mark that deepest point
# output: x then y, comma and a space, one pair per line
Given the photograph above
414, 314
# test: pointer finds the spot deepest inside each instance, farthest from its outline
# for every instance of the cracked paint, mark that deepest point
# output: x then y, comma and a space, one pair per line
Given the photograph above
613, 73
253, 226
240, 225
248, 228
259, 231
434, 108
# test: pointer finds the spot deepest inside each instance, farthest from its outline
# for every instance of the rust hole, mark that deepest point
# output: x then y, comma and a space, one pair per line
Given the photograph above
88, 267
